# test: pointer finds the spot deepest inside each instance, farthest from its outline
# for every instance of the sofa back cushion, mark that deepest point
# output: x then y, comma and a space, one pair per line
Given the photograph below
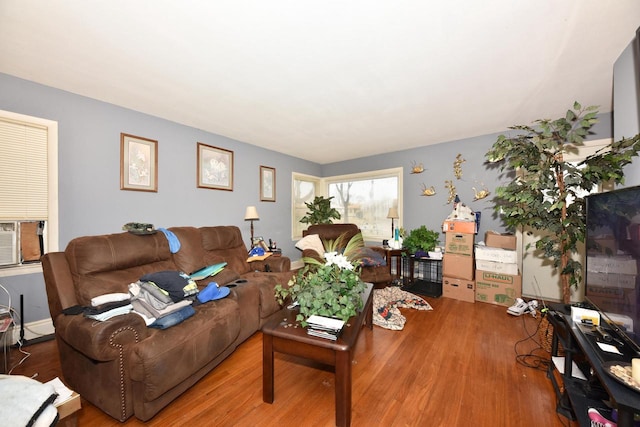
109, 263
332, 231
225, 242
191, 256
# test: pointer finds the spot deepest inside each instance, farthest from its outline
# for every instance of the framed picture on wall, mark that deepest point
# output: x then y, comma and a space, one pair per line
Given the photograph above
267, 184
215, 167
138, 163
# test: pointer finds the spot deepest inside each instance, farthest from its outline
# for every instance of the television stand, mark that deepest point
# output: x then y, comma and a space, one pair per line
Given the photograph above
576, 395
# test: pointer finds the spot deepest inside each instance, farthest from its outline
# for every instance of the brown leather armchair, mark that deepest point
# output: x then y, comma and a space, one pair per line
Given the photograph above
380, 276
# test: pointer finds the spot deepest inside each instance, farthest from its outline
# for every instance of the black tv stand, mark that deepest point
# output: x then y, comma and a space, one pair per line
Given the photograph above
575, 396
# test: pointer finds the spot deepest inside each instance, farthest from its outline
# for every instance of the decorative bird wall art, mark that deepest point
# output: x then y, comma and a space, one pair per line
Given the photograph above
416, 167
428, 191
477, 195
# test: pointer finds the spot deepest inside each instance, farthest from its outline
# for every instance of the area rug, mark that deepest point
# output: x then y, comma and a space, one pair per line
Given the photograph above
387, 303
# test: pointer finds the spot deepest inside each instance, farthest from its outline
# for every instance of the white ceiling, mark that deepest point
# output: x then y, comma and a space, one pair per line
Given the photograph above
326, 80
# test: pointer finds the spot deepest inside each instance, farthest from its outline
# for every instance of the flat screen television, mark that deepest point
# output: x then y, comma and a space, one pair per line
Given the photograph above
613, 260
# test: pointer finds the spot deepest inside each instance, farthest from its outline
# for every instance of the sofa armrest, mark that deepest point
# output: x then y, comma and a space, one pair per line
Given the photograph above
275, 263
98, 340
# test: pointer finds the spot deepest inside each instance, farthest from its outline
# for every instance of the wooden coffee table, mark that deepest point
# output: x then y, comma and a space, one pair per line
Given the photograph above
278, 336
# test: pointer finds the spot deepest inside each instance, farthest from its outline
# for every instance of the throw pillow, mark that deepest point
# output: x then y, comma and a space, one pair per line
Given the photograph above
313, 242
371, 257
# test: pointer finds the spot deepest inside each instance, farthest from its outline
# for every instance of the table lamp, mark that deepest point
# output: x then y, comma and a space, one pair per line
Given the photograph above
251, 214
393, 214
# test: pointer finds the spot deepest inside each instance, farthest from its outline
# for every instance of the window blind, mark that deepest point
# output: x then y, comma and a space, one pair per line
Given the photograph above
23, 171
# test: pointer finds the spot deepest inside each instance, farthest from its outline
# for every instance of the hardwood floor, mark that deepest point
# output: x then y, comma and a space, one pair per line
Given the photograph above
458, 365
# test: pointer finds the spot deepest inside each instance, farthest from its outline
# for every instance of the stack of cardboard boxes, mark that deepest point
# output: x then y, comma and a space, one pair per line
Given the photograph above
458, 260
497, 277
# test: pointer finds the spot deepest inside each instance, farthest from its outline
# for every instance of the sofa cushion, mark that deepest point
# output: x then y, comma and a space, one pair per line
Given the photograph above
225, 242
371, 258
109, 263
167, 357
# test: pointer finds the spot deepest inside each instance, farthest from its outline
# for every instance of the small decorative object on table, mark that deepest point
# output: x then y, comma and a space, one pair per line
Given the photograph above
329, 289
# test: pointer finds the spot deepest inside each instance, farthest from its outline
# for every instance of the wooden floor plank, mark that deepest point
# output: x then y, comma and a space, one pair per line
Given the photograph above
453, 366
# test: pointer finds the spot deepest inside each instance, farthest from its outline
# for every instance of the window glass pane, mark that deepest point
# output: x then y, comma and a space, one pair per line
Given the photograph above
366, 202
304, 190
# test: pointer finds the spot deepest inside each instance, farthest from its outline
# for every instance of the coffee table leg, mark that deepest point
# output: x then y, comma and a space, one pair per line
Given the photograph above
343, 388
267, 368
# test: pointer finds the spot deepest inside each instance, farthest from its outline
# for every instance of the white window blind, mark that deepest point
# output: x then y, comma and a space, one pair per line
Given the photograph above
23, 171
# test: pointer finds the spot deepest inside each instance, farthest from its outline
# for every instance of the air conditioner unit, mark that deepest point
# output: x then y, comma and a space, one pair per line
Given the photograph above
8, 243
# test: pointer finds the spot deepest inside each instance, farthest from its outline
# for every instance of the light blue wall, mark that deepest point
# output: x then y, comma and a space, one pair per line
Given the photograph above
626, 103
438, 162
90, 198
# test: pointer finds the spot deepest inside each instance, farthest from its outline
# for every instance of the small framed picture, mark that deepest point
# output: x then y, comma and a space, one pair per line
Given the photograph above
138, 163
267, 184
215, 167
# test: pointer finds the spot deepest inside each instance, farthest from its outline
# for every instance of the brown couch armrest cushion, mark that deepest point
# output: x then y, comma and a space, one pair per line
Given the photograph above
101, 340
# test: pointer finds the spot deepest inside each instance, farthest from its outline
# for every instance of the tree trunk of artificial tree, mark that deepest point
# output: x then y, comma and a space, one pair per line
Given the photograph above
564, 259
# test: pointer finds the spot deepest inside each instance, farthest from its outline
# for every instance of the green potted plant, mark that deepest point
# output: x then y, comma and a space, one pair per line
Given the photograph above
546, 193
331, 287
320, 211
421, 240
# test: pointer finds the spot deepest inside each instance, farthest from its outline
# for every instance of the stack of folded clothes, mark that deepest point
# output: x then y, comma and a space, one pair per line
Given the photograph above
104, 307
164, 298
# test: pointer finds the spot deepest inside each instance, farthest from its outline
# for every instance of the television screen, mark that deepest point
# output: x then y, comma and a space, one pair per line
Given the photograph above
613, 252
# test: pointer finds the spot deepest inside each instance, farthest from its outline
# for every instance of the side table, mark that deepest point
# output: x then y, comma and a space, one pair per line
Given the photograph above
394, 261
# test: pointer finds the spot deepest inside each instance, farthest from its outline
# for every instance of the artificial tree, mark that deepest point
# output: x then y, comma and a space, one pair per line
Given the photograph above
546, 193
320, 211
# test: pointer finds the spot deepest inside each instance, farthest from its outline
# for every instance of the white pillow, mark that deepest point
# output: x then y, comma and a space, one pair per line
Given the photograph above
313, 242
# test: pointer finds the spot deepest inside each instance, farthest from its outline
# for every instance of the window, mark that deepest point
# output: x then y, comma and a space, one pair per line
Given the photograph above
363, 199
304, 188
28, 189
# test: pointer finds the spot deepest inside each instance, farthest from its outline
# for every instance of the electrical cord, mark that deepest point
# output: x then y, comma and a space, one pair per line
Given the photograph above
531, 359
7, 335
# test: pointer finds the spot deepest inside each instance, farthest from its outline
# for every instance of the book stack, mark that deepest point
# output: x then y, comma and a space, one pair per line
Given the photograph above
324, 327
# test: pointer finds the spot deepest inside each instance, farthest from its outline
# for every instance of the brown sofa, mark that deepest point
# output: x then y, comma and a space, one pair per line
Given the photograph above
380, 275
126, 368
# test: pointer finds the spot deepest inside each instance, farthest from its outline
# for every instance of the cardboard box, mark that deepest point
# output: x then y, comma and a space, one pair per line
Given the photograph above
459, 226
485, 253
459, 289
459, 243
623, 264
497, 240
498, 288
497, 267
457, 266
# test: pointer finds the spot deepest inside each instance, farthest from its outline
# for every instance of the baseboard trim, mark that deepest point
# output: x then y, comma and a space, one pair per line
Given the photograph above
33, 330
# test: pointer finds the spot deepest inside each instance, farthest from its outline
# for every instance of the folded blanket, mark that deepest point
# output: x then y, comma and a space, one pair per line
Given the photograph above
24, 400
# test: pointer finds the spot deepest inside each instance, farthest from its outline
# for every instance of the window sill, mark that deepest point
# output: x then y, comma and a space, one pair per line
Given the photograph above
21, 270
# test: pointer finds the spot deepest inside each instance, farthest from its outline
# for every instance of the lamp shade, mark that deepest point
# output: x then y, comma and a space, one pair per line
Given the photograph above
251, 213
393, 213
